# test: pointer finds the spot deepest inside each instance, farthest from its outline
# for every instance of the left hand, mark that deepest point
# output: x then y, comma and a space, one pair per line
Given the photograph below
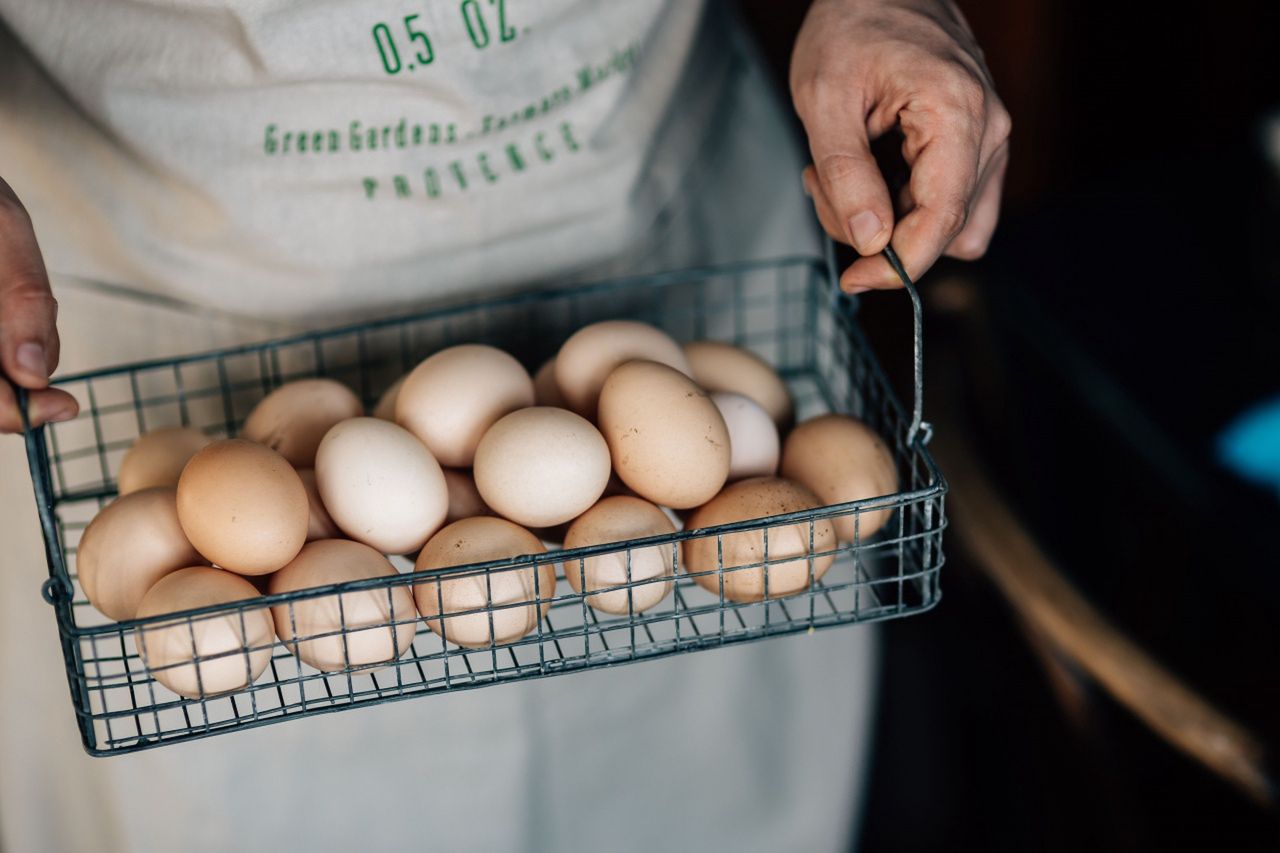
861, 68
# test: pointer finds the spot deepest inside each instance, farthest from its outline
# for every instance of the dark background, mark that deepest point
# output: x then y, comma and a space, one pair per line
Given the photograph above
1130, 308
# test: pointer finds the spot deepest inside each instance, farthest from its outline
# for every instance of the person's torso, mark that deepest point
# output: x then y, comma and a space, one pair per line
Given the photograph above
280, 158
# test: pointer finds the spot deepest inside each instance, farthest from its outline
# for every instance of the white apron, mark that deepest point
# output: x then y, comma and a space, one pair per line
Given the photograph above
756, 747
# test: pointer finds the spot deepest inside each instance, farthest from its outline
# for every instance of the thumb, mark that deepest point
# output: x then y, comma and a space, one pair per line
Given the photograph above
28, 312
851, 179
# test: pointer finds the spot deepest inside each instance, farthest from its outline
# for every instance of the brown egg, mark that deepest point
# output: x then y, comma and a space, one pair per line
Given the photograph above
541, 466
668, 440
788, 544
319, 524
478, 540
381, 485
385, 410
452, 398
368, 626
593, 352
157, 458
292, 419
719, 366
617, 519
243, 507
545, 390
464, 497
132, 543
841, 459
234, 647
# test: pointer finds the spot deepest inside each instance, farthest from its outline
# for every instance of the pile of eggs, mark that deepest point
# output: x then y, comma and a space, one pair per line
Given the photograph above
469, 459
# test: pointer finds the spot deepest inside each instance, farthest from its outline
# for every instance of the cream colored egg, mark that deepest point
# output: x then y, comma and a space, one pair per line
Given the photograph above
541, 466
319, 524
130, 545
515, 599
545, 390
617, 580
464, 497
243, 506
385, 409
233, 648
718, 366
292, 419
452, 398
787, 555
753, 436
354, 629
841, 459
157, 458
593, 352
380, 485
668, 440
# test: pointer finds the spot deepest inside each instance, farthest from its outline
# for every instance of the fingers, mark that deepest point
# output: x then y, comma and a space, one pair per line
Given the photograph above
28, 312
822, 206
858, 208
942, 148
971, 243
47, 405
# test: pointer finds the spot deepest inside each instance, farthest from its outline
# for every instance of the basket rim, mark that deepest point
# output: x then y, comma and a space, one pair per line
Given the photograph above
447, 308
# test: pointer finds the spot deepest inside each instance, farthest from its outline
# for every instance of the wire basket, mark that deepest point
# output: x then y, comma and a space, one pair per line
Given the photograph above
788, 311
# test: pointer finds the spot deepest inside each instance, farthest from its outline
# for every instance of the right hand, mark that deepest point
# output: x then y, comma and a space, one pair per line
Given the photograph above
28, 330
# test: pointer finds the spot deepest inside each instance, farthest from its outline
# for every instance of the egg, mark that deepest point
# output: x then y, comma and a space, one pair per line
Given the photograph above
753, 436
385, 409
157, 458
617, 519
593, 352
788, 544
478, 540
380, 485
292, 419
452, 398
841, 459
319, 523
234, 648
718, 366
132, 543
668, 440
545, 390
243, 506
541, 466
464, 497
359, 628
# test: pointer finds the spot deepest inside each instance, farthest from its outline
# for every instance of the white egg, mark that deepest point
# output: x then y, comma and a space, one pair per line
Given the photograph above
753, 436
381, 485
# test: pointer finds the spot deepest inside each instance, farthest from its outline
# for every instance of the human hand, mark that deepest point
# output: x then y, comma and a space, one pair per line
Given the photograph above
28, 314
861, 68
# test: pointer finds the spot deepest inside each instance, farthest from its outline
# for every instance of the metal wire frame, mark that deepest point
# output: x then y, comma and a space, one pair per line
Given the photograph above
788, 310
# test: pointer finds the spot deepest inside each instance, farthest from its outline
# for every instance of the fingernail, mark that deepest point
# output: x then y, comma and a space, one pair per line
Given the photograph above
30, 357
859, 289
863, 228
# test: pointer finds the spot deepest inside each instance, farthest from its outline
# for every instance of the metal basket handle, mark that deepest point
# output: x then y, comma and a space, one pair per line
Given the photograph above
919, 426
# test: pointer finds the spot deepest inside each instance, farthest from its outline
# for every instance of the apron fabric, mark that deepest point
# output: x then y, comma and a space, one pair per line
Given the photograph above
756, 747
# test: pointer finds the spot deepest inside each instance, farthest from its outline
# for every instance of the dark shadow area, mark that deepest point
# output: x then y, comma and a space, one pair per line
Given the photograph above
1129, 309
